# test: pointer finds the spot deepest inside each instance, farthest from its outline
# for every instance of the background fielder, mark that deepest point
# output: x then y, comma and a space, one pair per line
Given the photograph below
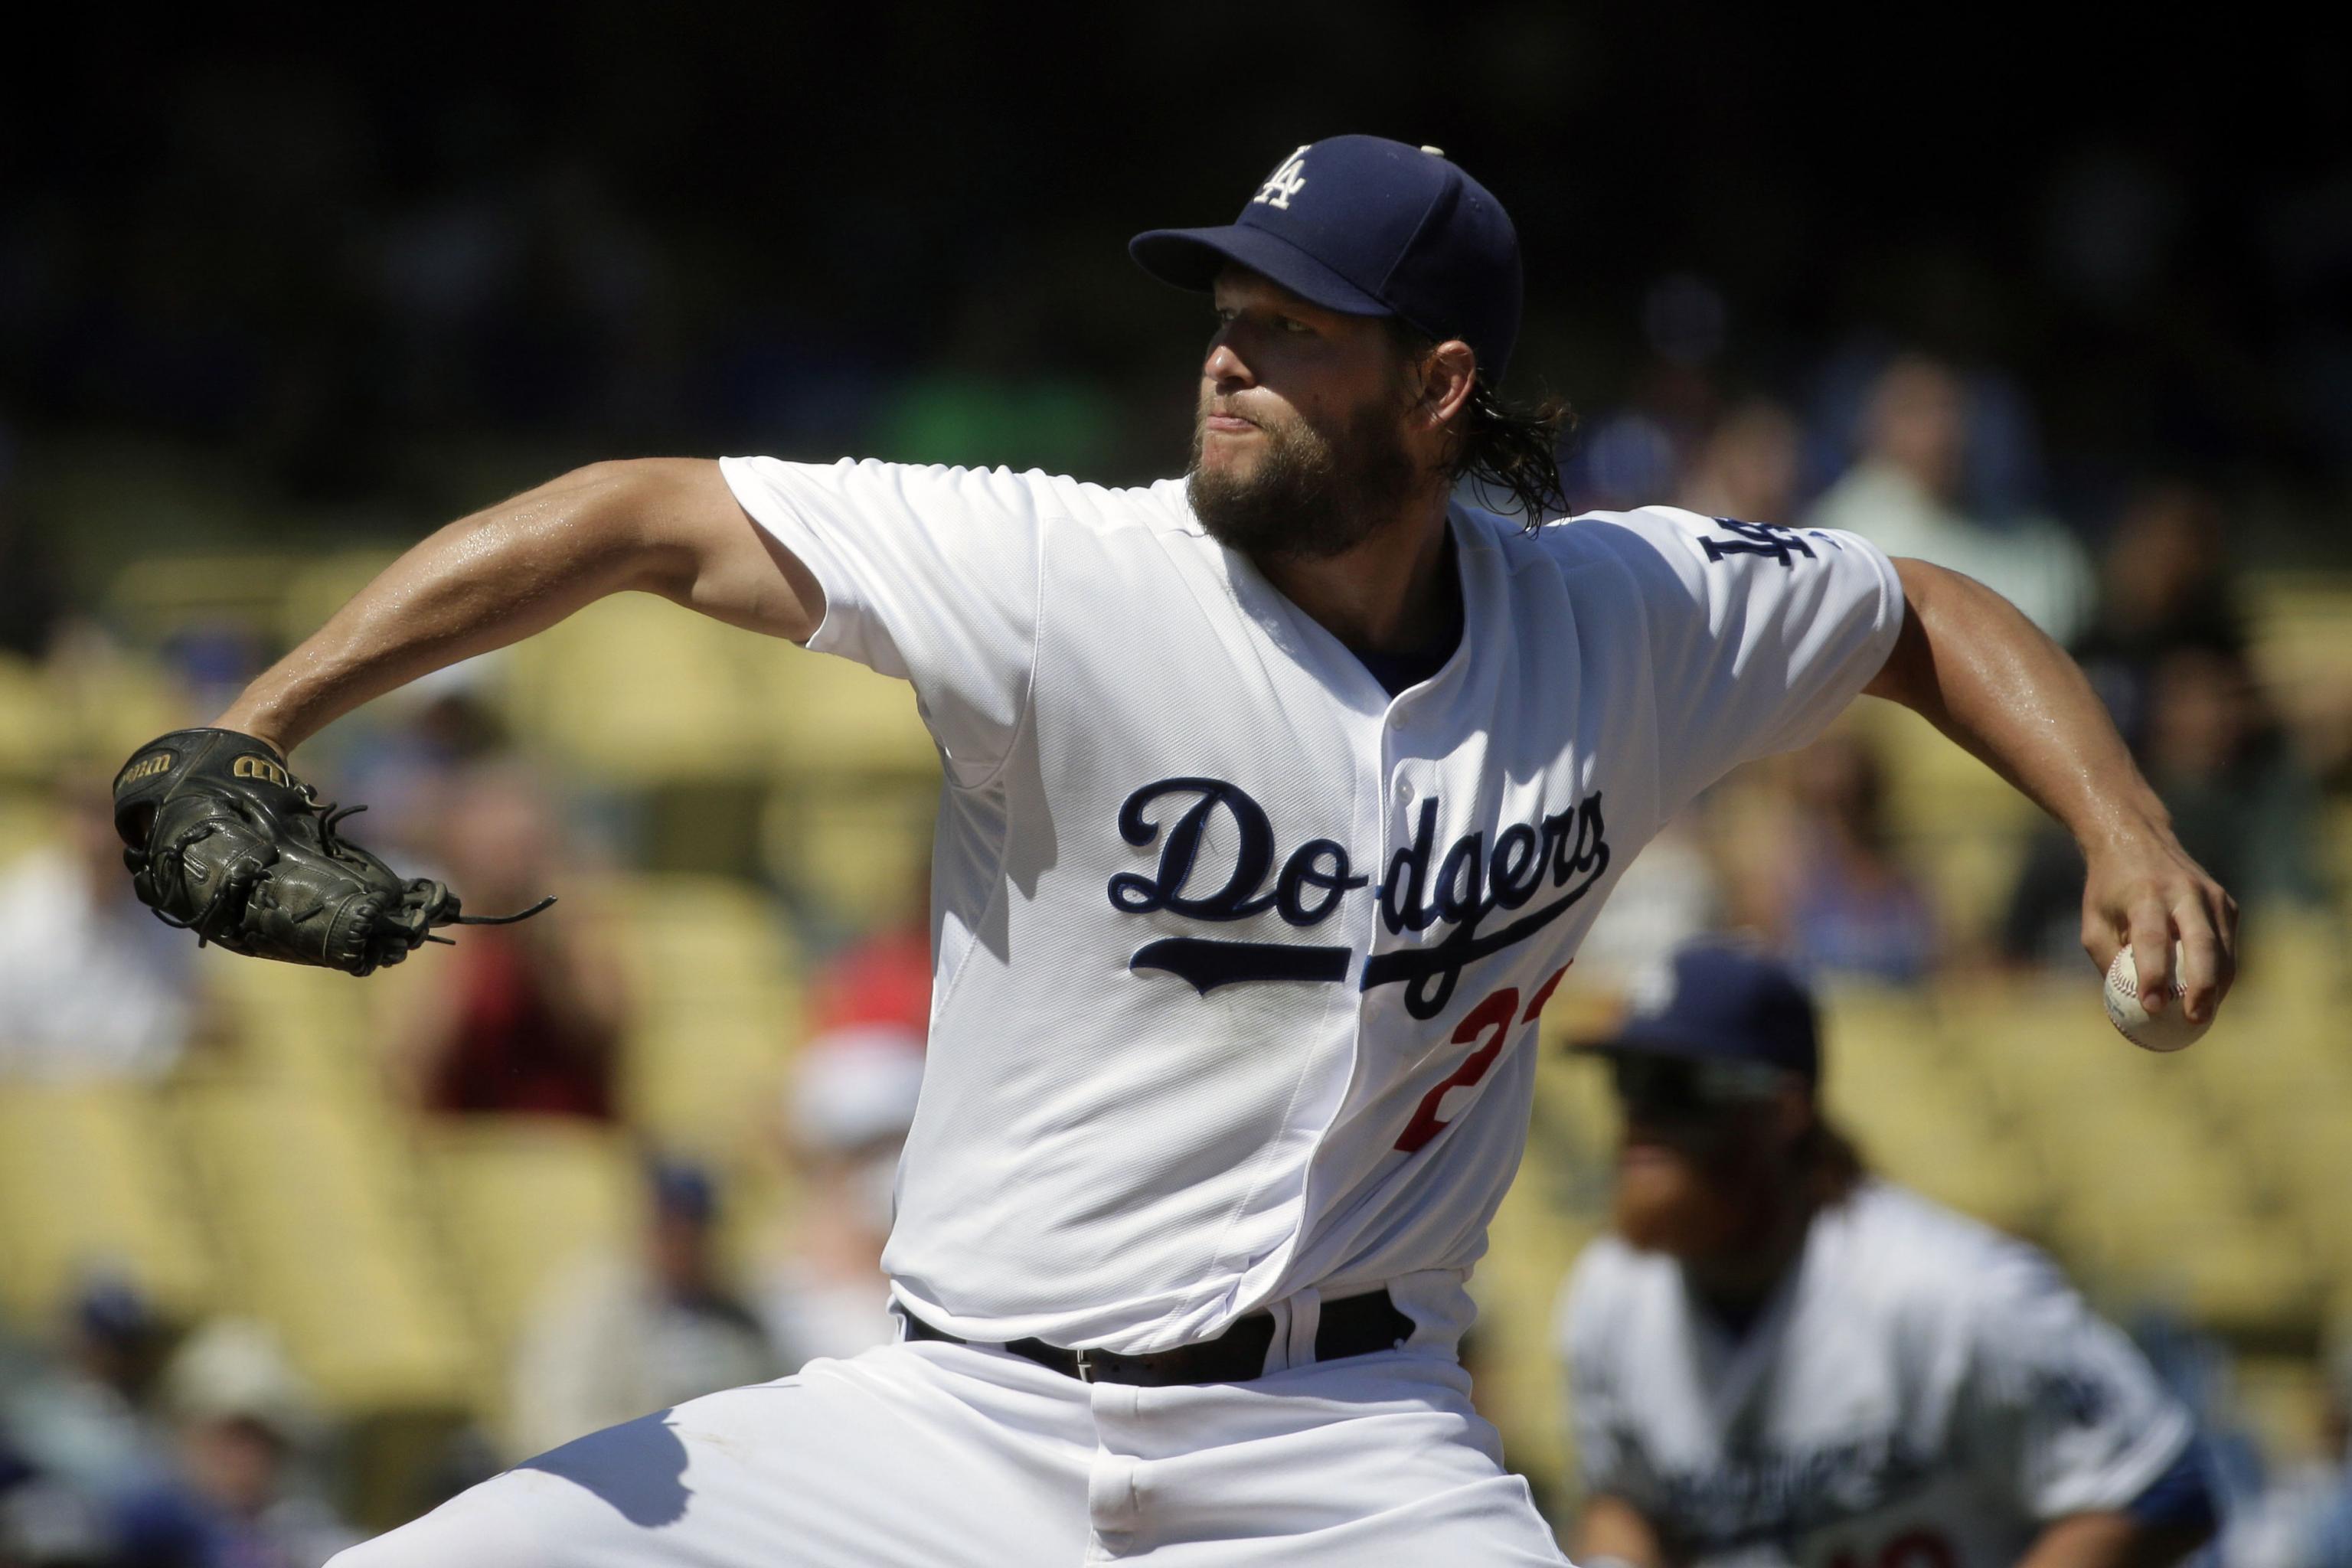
1779, 1358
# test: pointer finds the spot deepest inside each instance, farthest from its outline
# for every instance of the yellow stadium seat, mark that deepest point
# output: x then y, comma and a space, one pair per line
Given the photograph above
1532, 1244
692, 937
520, 1199
1882, 1050
2153, 1202
29, 723
860, 854
712, 1086
2336, 830
323, 1231
316, 588
1996, 1178
2042, 1048
636, 692
2308, 1155
718, 995
2283, 1399
88, 1179
294, 1025
1575, 1117
109, 704
2302, 629
1930, 781
837, 719
28, 821
160, 593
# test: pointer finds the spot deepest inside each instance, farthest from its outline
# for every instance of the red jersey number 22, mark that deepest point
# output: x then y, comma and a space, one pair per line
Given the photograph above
1493, 1018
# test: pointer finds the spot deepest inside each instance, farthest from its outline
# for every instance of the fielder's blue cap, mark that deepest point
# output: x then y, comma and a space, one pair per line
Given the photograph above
1717, 1000
1367, 226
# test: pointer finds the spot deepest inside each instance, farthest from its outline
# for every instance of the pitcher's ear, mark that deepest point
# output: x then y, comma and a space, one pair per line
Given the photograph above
1449, 376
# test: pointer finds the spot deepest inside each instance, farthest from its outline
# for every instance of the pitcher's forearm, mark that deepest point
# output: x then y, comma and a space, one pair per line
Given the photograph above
1973, 666
1982, 673
481, 583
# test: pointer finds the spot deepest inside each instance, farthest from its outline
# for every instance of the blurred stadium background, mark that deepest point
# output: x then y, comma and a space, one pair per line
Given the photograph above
272, 306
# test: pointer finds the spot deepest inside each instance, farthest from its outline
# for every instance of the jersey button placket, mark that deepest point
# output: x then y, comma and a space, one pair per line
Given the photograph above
1399, 801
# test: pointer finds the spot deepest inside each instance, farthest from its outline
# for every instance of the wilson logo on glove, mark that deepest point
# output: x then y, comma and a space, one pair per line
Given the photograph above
249, 767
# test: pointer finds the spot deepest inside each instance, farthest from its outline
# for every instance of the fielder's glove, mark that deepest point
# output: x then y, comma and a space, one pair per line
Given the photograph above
222, 840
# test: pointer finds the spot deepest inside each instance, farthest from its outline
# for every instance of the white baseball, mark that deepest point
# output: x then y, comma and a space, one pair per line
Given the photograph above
2170, 1030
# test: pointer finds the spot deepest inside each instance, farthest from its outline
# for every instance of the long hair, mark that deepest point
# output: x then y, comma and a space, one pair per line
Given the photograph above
1829, 1163
1503, 447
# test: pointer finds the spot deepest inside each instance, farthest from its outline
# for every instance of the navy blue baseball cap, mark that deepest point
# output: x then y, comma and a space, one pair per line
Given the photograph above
1715, 1000
1367, 226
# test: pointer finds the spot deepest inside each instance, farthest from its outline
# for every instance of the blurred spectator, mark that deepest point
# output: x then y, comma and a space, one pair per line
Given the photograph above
885, 977
1905, 494
93, 986
1748, 466
86, 1418
1779, 1358
852, 1102
616, 1337
525, 1017
2241, 802
2165, 586
1835, 900
238, 1497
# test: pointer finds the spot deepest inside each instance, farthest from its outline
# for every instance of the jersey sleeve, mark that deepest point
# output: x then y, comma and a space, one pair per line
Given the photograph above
1758, 636
930, 574
2059, 1407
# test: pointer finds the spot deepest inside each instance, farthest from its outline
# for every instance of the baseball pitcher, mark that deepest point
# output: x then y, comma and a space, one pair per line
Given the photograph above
1277, 798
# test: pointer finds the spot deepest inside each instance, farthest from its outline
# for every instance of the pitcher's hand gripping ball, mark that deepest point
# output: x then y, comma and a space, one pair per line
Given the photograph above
222, 840
2170, 1030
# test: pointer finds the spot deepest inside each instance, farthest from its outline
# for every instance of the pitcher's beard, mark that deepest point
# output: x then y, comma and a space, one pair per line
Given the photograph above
1311, 496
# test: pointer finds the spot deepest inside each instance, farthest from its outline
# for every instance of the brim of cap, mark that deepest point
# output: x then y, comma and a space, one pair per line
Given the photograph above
1191, 258
1636, 1040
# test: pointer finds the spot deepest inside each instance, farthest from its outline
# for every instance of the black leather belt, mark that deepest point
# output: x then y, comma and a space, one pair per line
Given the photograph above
1358, 1325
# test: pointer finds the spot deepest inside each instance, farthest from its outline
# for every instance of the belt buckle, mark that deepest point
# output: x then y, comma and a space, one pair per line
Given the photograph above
1086, 1366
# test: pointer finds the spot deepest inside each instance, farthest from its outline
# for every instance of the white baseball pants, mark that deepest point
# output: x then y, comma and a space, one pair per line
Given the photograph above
941, 1456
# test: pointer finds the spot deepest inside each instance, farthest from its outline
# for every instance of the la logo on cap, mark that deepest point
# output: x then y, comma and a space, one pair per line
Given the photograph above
1288, 181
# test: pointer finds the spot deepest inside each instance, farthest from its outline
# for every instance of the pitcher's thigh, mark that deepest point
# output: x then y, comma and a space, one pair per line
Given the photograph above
846, 1463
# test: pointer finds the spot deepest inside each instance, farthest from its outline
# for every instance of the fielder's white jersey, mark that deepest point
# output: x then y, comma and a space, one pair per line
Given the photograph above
1237, 957
1921, 1391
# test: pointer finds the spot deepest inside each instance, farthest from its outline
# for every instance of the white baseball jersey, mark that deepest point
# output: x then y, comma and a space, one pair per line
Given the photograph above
1920, 1392
1238, 957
